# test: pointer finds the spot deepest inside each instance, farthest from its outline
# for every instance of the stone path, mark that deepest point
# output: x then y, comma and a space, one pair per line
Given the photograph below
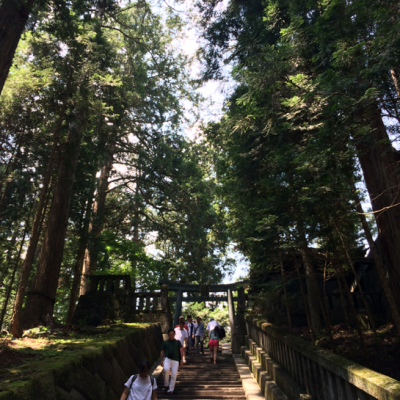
201, 380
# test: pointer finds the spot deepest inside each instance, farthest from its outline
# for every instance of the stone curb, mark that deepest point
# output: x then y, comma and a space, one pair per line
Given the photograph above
250, 386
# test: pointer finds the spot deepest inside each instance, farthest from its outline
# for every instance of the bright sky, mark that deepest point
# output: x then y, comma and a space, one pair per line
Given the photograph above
213, 92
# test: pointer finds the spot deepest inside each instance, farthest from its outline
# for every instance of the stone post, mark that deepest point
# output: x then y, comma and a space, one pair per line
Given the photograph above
178, 307
109, 284
231, 311
94, 281
164, 297
141, 299
127, 284
241, 306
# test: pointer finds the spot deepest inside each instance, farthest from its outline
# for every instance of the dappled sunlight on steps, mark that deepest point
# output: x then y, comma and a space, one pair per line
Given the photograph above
200, 379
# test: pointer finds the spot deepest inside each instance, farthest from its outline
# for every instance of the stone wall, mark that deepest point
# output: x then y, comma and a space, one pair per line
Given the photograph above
98, 373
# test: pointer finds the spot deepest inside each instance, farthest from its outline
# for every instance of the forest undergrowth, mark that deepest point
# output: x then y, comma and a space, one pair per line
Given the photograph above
382, 351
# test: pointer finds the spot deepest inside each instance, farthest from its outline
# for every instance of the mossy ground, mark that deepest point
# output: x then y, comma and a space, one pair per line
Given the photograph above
20, 359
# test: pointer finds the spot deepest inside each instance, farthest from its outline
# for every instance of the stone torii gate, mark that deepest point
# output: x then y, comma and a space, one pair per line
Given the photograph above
236, 319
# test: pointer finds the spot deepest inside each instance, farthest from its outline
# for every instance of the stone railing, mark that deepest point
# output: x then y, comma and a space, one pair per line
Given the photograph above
109, 283
316, 373
139, 301
147, 301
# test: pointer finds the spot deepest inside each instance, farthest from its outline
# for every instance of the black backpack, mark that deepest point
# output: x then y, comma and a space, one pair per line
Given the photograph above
220, 331
134, 379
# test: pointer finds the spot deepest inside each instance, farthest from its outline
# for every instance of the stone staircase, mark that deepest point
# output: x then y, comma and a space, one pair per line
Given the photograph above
200, 379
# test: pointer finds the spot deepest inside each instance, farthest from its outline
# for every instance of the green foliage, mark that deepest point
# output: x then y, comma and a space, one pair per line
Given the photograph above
115, 72
285, 148
217, 310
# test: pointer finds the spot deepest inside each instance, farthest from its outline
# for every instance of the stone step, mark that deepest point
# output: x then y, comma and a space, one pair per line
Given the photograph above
200, 379
182, 384
201, 397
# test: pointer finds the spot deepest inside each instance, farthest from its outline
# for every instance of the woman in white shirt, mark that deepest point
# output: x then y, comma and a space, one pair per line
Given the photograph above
142, 386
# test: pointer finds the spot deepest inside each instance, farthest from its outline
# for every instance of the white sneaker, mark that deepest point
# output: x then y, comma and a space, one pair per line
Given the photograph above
184, 360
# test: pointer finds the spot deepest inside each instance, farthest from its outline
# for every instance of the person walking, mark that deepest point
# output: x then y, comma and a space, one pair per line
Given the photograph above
198, 334
172, 350
142, 386
184, 323
213, 342
182, 335
211, 325
190, 325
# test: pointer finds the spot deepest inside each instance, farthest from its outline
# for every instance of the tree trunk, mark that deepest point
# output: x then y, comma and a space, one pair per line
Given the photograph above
10, 249
339, 270
41, 299
312, 290
136, 229
379, 266
10, 165
13, 17
285, 293
96, 227
9, 289
395, 81
380, 164
350, 262
303, 295
342, 300
16, 321
316, 296
78, 267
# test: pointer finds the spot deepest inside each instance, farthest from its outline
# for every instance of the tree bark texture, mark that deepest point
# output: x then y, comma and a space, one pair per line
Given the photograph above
14, 15
285, 293
312, 288
339, 270
15, 269
394, 309
78, 267
16, 321
41, 299
10, 166
350, 263
380, 164
96, 227
303, 296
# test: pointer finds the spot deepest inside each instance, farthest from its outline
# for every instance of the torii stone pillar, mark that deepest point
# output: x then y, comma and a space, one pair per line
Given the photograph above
231, 311
178, 307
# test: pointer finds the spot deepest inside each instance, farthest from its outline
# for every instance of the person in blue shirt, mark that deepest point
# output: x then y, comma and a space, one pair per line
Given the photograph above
198, 335
190, 325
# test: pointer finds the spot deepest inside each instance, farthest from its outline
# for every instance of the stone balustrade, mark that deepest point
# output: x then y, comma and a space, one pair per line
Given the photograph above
109, 283
315, 373
147, 301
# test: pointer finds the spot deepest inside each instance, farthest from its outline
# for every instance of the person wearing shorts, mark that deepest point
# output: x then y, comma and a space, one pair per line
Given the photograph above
213, 345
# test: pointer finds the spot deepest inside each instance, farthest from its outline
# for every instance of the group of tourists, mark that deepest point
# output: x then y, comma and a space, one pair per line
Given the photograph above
186, 337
